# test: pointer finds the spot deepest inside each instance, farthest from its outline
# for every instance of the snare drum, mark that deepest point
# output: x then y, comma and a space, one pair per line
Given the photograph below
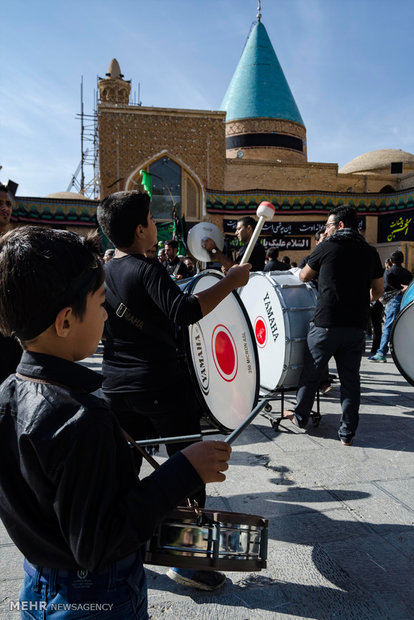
402, 338
221, 355
209, 540
280, 307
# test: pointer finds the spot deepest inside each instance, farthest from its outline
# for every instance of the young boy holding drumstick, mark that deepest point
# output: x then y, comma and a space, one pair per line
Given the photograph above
70, 499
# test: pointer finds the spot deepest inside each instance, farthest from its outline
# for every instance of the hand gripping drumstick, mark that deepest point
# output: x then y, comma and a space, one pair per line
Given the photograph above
265, 211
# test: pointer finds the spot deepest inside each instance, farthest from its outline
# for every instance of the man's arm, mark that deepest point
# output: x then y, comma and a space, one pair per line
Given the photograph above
237, 276
377, 288
307, 274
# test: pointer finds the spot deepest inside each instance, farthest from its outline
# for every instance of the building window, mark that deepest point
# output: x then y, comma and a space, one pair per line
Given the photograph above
171, 182
166, 187
396, 167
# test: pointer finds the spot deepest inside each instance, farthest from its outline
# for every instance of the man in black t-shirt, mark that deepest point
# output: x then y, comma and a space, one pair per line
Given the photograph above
174, 266
244, 230
349, 276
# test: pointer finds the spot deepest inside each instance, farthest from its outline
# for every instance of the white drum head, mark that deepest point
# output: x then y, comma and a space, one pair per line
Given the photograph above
223, 356
402, 342
196, 236
266, 315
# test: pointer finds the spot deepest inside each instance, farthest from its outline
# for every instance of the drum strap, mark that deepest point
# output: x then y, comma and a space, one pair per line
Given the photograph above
143, 452
121, 309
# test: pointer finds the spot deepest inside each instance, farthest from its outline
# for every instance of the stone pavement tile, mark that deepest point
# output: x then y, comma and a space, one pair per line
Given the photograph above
11, 561
245, 596
403, 541
380, 570
11, 572
312, 526
9, 595
384, 511
315, 587
337, 465
401, 491
4, 537
300, 582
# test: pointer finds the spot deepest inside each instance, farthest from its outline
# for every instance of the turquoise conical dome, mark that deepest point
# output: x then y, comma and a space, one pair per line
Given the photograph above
259, 88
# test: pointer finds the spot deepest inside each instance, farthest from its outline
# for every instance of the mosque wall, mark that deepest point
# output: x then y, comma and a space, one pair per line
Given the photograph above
245, 175
129, 136
268, 126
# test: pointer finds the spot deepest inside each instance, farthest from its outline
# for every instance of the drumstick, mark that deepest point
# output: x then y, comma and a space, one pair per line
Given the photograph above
237, 431
265, 211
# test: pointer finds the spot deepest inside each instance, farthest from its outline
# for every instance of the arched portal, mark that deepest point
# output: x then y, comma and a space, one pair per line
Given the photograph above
172, 181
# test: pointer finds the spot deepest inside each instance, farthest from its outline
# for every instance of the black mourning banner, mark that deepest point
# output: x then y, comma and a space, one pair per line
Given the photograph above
279, 229
396, 227
282, 243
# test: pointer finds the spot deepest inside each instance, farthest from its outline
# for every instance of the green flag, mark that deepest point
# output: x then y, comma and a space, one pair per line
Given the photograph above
147, 182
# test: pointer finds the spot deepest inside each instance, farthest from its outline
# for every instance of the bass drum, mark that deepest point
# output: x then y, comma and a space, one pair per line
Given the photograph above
280, 307
402, 339
221, 355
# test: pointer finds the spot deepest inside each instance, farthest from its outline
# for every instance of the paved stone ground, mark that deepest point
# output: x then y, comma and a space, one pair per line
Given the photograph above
340, 519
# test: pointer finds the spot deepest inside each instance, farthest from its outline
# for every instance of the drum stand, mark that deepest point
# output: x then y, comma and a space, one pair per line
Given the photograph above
275, 418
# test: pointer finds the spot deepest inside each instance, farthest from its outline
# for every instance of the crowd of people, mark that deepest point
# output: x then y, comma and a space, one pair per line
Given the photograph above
71, 496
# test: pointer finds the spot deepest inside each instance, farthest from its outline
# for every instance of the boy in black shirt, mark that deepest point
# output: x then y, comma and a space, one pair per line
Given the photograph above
70, 498
144, 381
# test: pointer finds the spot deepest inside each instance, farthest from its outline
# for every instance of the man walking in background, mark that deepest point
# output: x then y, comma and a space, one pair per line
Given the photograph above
396, 280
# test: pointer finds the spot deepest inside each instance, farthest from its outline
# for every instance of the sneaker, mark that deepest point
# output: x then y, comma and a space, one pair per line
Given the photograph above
377, 358
200, 579
326, 387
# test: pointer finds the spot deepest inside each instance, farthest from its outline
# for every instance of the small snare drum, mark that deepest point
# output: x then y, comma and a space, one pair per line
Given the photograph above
209, 540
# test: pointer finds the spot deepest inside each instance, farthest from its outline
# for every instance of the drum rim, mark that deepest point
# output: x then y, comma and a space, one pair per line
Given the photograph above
205, 408
405, 295
393, 352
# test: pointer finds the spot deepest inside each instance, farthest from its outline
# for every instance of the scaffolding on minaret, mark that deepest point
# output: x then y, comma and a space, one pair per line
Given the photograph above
81, 181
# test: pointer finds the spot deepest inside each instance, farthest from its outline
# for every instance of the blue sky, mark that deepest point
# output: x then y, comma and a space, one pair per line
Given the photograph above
348, 64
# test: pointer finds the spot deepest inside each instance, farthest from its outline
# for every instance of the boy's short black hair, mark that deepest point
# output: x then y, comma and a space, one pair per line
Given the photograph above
42, 271
172, 243
119, 215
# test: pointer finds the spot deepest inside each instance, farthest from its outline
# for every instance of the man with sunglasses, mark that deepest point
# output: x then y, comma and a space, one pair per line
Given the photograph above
350, 274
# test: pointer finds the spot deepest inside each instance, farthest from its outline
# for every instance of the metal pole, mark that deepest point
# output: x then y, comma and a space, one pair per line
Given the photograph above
164, 440
246, 422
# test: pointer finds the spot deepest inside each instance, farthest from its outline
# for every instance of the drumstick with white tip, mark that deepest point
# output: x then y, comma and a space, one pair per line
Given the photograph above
265, 212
